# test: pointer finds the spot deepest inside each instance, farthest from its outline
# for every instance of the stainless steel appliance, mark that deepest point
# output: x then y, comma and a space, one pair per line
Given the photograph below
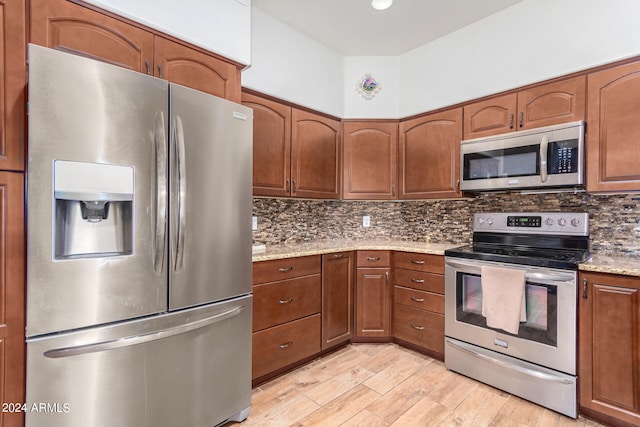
551, 156
139, 249
538, 362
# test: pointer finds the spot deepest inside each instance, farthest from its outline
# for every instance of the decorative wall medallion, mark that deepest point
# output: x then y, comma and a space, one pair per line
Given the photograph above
368, 86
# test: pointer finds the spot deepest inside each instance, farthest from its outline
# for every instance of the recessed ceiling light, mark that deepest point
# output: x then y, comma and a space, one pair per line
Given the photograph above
381, 4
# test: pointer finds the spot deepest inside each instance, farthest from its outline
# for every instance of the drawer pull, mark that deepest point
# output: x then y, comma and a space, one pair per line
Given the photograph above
373, 258
417, 299
285, 345
285, 269
417, 280
338, 256
418, 327
418, 261
285, 301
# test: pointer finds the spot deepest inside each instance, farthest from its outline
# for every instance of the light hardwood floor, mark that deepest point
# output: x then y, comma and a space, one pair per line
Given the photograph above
373, 385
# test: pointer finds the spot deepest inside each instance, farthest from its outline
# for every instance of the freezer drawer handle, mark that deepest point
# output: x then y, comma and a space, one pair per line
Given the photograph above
143, 338
522, 370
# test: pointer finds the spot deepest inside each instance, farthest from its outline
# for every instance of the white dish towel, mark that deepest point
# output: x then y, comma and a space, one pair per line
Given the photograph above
503, 298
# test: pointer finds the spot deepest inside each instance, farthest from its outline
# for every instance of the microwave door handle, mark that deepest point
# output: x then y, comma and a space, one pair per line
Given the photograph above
544, 146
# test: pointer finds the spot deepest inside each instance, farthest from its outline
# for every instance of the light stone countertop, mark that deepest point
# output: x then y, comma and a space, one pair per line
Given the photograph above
292, 250
629, 265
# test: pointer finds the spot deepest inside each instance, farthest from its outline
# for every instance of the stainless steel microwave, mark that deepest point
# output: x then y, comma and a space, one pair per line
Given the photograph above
551, 156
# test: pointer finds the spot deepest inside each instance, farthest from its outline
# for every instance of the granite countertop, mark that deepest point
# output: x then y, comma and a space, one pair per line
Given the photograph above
292, 250
628, 265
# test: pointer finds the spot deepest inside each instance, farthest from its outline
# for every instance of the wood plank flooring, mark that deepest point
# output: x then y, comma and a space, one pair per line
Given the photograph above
380, 385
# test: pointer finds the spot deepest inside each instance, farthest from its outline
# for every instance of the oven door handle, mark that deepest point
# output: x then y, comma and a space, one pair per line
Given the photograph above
532, 277
521, 369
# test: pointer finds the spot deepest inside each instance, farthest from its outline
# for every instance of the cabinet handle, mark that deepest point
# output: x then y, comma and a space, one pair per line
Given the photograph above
458, 185
511, 121
160, 70
373, 258
521, 118
418, 261
285, 345
288, 185
285, 269
393, 190
418, 327
338, 256
584, 288
386, 275
417, 299
148, 65
417, 280
285, 301
295, 185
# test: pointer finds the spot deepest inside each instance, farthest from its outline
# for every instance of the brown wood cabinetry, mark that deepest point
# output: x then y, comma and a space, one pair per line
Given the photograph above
373, 307
613, 139
429, 156
286, 313
337, 298
370, 160
609, 348
12, 291
66, 26
544, 105
418, 296
295, 153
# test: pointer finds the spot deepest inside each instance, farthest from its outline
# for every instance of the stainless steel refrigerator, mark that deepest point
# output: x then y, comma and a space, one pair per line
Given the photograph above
139, 249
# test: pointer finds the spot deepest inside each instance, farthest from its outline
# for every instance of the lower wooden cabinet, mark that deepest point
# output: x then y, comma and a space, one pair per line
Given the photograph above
373, 300
337, 298
609, 348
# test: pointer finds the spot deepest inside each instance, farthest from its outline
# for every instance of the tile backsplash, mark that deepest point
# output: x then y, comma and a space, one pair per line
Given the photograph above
614, 219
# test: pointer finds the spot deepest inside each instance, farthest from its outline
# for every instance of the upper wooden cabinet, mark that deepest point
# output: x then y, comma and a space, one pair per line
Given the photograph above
12, 85
188, 67
316, 146
370, 160
63, 25
429, 159
613, 138
544, 105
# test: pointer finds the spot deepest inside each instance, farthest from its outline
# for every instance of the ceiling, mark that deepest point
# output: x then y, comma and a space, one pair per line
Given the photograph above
354, 28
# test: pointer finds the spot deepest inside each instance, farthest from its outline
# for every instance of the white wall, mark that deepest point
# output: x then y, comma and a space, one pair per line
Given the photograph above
384, 105
294, 67
220, 26
529, 42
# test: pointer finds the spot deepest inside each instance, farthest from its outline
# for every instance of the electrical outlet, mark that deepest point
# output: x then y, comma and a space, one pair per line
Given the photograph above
254, 223
366, 221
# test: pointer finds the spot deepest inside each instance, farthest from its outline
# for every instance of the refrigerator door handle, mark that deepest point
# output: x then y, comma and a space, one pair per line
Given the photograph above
160, 150
182, 192
143, 338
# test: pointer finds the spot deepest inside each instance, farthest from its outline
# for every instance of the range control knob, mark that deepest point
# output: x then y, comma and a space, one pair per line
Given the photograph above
562, 222
480, 221
549, 222
575, 222
490, 221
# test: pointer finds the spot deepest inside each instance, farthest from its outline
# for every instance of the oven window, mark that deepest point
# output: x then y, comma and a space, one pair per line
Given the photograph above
541, 301
503, 163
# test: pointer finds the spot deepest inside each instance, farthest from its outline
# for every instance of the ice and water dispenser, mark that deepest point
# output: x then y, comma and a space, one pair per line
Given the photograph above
93, 213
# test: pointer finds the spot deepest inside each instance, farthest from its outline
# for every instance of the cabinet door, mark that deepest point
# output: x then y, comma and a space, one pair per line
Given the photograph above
373, 308
490, 117
271, 146
63, 25
430, 156
12, 85
370, 160
12, 290
337, 298
551, 104
189, 67
613, 141
315, 156
609, 348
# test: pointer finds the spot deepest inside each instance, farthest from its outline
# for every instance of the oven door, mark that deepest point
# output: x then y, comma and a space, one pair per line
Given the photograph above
547, 338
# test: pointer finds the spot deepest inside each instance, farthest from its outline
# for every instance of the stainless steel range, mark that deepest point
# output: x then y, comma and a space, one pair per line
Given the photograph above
522, 265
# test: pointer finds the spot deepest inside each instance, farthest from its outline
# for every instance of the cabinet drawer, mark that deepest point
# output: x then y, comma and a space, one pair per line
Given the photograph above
419, 280
419, 299
421, 262
279, 302
283, 345
369, 259
280, 269
419, 327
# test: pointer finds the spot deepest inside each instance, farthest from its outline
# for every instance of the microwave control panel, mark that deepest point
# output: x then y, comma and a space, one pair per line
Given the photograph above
562, 157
